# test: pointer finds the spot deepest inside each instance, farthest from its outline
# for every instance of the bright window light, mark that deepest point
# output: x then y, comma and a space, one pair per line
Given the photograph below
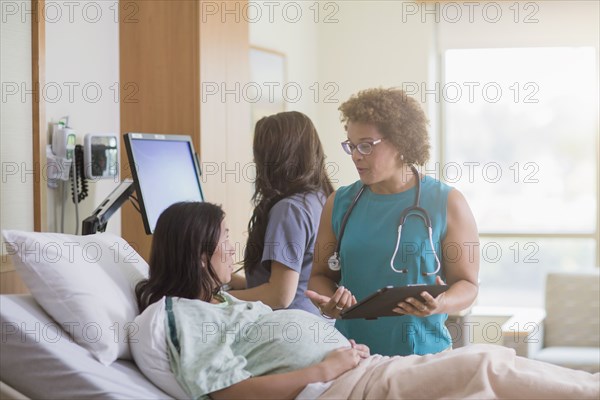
521, 139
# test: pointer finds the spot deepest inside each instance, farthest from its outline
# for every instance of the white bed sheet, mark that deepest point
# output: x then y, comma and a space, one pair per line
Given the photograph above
40, 361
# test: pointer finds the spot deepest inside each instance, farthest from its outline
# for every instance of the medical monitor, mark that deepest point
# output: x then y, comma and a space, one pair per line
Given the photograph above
165, 171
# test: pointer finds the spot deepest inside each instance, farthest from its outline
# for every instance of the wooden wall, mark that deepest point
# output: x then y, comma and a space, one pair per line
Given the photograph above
159, 73
226, 122
38, 60
164, 55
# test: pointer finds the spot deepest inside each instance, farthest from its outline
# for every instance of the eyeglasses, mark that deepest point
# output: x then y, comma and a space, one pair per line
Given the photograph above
364, 148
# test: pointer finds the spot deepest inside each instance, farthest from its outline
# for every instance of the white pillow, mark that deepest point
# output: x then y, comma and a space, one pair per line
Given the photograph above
148, 342
86, 283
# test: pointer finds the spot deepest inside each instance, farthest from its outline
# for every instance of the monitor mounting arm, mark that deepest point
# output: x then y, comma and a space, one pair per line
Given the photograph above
99, 218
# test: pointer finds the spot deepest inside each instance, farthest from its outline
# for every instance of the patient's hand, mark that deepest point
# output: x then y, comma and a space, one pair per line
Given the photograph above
363, 349
339, 361
288, 385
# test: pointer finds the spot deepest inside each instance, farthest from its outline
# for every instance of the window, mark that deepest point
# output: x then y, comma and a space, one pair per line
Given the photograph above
520, 141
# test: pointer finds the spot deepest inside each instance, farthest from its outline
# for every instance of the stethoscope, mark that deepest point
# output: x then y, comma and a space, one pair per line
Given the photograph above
415, 209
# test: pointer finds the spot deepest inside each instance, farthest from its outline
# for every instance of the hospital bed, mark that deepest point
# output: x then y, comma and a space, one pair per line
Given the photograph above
76, 334
38, 361
84, 281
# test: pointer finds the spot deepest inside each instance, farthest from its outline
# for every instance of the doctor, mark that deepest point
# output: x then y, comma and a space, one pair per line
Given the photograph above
375, 232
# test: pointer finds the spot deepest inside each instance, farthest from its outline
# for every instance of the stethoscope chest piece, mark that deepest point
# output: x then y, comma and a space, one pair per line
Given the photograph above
334, 262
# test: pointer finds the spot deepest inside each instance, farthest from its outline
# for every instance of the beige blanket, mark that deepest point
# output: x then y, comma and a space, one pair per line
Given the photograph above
474, 372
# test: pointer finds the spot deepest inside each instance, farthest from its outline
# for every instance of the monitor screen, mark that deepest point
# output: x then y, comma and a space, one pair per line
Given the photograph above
165, 171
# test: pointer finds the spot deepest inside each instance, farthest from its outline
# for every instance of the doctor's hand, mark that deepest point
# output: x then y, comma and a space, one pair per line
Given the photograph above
331, 307
431, 305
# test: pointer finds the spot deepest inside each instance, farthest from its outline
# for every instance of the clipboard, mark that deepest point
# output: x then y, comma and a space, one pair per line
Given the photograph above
382, 302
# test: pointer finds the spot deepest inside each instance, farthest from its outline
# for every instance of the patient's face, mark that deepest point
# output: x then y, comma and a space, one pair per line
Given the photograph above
222, 259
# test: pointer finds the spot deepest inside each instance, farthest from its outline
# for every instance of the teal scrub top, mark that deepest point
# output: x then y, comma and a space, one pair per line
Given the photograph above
366, 250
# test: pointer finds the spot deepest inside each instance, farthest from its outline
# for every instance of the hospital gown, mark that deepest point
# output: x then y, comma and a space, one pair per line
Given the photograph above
214, 346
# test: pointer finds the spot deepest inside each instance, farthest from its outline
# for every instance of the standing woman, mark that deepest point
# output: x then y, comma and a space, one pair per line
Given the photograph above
291, 188
386, 137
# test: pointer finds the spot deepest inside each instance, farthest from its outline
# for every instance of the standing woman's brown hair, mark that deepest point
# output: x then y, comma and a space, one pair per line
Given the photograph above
289, 159
290, 190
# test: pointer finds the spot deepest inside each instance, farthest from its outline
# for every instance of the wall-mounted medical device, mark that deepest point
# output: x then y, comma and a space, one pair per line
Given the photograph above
60, 154
63, 141
101, 155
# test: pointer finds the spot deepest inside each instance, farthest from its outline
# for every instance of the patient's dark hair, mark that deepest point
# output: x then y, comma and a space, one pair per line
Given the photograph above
186, 236
289, 159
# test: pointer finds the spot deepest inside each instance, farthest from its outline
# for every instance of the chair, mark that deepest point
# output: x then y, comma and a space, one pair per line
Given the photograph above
569, 335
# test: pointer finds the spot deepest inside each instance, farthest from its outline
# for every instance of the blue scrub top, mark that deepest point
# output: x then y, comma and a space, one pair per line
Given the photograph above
367, 248
290, 240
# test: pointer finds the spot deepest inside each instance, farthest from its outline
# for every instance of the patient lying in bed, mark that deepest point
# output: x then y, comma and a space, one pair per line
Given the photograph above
215, 348
226, 348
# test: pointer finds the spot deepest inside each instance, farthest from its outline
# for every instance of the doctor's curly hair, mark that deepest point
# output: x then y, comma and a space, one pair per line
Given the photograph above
398, 117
